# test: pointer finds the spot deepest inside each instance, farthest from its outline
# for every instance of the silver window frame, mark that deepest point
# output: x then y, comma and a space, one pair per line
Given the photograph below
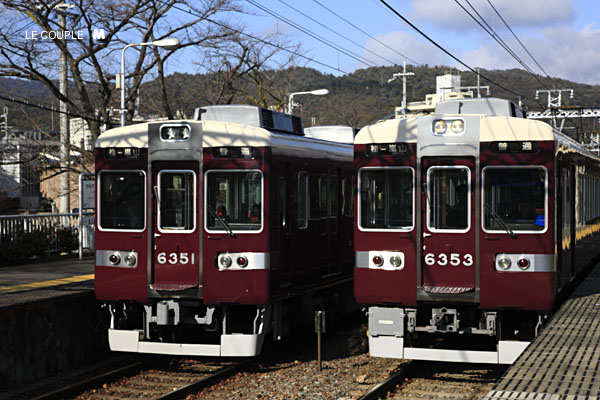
514, 167
358, 206
428, 194
195, 202
99, 203
262, 201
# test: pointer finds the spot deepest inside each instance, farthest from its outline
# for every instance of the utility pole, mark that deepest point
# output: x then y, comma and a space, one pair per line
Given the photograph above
403, 74
65, 190
478, 87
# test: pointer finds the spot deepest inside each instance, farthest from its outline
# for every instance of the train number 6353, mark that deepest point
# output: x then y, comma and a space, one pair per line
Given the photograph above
454, 259
175, 258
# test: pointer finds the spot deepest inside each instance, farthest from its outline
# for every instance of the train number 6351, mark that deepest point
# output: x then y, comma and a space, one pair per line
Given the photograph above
454, 259
175, 258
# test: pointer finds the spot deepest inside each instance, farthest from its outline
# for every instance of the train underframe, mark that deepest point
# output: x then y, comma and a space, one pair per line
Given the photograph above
189, 327
456, 333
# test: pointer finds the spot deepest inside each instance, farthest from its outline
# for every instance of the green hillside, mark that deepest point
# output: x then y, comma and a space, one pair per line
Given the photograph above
356, 99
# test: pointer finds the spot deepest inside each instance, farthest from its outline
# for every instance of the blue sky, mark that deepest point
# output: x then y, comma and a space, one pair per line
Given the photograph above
562, 35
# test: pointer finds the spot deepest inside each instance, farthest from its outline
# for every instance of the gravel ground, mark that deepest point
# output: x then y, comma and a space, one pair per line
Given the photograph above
289, 369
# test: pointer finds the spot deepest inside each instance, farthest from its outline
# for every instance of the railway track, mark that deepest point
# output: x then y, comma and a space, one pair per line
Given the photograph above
162, 378
434, 380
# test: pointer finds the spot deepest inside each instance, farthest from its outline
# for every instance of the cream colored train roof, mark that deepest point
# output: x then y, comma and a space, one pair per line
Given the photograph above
218, 133
492, 128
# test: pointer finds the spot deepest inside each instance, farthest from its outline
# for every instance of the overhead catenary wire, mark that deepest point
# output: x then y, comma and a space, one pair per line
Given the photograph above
455, 58
274, 45
366, 33
490, 31
28, 102
517, 38
335, 32
319, 38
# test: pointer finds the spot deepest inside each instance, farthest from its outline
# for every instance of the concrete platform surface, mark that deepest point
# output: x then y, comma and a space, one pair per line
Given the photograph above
563, 362
41, 281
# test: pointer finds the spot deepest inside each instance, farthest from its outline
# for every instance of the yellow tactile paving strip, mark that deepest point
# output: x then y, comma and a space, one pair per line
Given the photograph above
45, 284
563, 362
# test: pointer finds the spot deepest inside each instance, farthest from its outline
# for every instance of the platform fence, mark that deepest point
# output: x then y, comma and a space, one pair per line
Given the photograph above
11, 225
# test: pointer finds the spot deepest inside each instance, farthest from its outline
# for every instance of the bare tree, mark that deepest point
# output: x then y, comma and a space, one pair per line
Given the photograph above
92, 63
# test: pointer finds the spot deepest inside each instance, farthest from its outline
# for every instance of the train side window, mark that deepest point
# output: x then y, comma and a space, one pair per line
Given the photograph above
122, 200
323, 195
386, 199
333, 201
347, 197
236, 196
448, 198
177, 211
302, 200
516, 197
314, 196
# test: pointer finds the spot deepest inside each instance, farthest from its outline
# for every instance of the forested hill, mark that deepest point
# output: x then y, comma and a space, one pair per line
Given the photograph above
355, 99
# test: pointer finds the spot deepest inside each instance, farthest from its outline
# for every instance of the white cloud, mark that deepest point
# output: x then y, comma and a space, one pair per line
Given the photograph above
517, 13
562, 52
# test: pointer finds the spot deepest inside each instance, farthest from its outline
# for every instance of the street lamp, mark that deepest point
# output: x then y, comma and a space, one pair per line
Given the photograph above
168, 44
317, 92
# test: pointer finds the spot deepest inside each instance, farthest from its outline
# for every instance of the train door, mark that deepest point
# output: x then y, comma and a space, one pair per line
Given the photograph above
566, 223
281, 234
176, 258
449, 231
333, 236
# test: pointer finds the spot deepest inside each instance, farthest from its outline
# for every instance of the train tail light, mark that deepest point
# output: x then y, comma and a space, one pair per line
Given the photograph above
504, 262
378, 261
114, 258
524, 263
242, 261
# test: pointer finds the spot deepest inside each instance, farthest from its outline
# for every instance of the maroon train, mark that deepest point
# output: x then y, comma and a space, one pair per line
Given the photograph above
213, 232
469, 223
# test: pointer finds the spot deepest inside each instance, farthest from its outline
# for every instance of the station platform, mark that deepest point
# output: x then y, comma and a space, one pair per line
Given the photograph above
42, 281
563, 362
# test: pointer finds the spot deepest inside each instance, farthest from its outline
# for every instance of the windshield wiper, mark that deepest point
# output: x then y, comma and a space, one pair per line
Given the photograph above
222, 221
501, 221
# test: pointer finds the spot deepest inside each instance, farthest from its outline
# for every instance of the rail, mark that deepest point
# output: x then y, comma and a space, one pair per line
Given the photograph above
11, 225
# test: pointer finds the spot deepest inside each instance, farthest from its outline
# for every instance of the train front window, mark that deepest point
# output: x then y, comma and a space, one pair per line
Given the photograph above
122, 200
386, 198
235, 200
448, 200
514, 197
176, 201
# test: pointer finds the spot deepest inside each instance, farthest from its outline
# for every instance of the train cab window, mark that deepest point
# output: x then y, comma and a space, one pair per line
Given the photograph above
515, 198
448, 200
234, 200
386, 199
122, 200
176, 211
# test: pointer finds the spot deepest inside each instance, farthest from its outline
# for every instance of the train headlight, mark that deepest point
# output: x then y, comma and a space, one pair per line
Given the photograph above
225, 262
378, 261
114, 258
439, 126
131, 259
242, 261
524, 263
458, 126
175, 133
504, 262
396, 261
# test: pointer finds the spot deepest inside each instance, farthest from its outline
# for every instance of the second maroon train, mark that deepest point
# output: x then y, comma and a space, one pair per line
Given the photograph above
470, 222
